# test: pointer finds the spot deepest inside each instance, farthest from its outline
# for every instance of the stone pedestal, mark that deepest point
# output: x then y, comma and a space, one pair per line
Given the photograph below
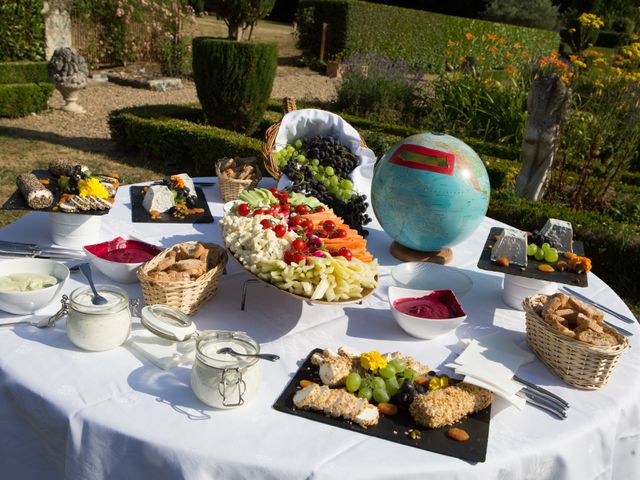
70, 95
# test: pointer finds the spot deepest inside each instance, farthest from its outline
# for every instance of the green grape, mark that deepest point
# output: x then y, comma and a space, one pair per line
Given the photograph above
539, 255
315, 162
532, 249
346, 184
353, 382
380, 395
387, 372
377, 382
345, 196
392, 385
365, 392
410, 373
290, 149
334, 182
298, 143
545, 246
551, 255
301, 159
398, 365
329, 171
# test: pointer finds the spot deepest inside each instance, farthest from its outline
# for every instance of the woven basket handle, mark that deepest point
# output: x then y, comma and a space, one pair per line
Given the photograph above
288, 104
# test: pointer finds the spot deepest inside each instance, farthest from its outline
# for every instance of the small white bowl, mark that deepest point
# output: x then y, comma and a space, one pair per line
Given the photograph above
426, 328
431, 276
22, 303
516, 289
119, 271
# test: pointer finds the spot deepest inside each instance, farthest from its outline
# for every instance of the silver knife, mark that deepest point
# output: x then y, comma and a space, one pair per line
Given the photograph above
51, 255
604, 308
619, 329
531, 400
542, 391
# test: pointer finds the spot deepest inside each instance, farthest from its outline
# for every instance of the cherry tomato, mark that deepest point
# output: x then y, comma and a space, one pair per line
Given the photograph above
296, 221
320, 233
283, 197
329, 225
274, 210
280, 230
285, 207
299, 244
288, 256
266, 224
342, 233
345, 252
333, 253
298, 257
319, 209
302, 210
258, 211
307, 224
274, 191
244, 209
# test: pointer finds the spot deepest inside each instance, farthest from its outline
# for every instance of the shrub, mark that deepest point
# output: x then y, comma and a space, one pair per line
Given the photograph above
239, 15
528, 13
23, 72
233, 81
21, 99
21, 30
414, 37
612, 39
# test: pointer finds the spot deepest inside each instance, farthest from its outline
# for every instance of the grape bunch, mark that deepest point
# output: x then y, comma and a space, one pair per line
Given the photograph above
385, 385
331, 153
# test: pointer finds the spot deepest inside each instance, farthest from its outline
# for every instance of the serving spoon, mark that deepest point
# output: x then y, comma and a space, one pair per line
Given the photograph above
264, 356
98, 299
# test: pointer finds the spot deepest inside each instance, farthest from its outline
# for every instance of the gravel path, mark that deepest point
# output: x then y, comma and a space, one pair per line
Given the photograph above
99, 100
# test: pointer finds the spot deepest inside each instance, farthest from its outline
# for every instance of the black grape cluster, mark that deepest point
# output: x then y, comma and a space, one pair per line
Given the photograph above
331, 153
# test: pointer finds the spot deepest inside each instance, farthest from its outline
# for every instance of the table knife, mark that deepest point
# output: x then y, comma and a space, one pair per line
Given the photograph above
604, 308
542, 391
531, 400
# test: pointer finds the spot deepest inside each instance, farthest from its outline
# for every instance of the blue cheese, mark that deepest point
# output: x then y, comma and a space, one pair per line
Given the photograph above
559, 234
511, 244
158, 198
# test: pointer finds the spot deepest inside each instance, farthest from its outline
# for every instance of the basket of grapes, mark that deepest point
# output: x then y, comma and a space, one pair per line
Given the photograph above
317, 153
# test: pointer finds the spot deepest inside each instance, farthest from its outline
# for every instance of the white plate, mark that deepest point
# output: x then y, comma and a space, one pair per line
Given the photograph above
431, 276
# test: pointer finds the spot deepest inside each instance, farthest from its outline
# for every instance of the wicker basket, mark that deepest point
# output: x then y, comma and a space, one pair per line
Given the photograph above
231, 188
576, 363
186, 296
269, 142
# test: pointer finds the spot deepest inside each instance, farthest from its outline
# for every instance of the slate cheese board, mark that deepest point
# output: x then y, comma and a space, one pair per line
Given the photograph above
140, 215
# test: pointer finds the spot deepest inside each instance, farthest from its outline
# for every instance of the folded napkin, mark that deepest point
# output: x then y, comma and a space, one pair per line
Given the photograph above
163, 353
490, 362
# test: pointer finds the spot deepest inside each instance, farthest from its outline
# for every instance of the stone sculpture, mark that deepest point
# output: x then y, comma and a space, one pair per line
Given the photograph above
68, 71
548, 107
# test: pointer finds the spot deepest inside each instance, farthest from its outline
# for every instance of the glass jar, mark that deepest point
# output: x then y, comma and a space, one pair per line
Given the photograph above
98, 327
222, 380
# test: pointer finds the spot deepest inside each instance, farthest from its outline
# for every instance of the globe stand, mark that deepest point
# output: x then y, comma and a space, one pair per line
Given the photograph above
407, 254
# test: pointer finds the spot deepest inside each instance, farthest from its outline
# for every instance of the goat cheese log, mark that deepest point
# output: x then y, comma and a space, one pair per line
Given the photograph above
64, 168
446, 406
36, 194
337, 403
333, 369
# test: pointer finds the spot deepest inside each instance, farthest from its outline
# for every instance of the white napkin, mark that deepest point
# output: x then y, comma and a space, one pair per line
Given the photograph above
490, 362
163, 353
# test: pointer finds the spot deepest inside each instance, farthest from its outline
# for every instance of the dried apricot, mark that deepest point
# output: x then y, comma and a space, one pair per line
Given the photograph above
545, 267
306, 383
502, 261
458, 434
387, 408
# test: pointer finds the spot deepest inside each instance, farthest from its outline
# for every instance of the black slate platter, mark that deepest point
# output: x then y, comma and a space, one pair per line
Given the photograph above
17, 201
531, 271
395, 428
140, 215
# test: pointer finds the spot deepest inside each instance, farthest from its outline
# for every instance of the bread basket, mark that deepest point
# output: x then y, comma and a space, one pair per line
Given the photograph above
231, 188
269, 142
187, 296
579, 364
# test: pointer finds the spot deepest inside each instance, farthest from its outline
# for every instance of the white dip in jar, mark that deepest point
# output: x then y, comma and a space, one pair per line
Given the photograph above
222, 380
98, 327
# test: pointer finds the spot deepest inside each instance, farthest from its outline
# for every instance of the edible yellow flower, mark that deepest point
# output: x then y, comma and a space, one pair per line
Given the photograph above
91, 187
438, 382
372, 361
591, 20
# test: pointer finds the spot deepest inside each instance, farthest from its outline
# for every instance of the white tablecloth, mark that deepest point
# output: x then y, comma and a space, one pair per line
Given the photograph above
66, 413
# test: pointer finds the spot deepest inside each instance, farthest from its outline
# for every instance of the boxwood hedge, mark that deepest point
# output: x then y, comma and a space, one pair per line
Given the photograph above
23, 72
20, 99
416, 37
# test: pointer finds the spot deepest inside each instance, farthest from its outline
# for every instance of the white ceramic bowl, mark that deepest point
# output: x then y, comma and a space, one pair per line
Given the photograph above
22, 303
431, 276
516, 289
119, 271
74, 230
426, 328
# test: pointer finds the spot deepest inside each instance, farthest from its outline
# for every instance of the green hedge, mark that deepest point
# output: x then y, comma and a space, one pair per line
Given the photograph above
21, 30
21, 99
172, 141
613, 39
416, 37
613, 247
23, 72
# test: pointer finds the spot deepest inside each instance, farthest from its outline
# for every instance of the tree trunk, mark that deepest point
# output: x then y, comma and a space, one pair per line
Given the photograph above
235, 32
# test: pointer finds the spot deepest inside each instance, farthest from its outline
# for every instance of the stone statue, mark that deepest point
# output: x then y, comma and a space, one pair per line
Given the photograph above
68, 71
548, 107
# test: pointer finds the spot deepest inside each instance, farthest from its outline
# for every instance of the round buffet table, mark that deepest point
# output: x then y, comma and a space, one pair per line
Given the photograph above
66, 413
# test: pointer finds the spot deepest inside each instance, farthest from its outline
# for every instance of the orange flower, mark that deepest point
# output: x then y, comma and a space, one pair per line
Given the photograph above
448, 52
517, 45
508, 54
470, 36
492, 37
502, 41
461, 59
451, 43
573, 58
493, 49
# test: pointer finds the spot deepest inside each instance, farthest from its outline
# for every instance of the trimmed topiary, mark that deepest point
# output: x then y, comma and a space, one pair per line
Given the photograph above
21, 99
233, 81
23, 72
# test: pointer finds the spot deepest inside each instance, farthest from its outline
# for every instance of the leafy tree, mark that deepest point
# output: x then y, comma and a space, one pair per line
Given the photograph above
528, 13
240, 15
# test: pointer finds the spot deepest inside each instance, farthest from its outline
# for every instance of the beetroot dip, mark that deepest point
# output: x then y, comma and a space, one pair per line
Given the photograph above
121, 250
437, 305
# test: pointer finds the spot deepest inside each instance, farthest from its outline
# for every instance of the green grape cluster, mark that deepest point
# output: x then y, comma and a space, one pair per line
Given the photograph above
383, 385
544, 252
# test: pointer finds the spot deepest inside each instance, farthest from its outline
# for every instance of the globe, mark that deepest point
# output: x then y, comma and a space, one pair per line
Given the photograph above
430, 191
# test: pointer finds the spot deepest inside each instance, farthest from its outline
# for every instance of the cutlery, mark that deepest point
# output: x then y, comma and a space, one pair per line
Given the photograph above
18, 249
531, 400
98, 299
620, 330
264, 356
604, 308
46, 321
541, 391
530, 393
204, 184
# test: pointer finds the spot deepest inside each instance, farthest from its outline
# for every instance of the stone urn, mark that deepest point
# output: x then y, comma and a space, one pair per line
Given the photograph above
68, 71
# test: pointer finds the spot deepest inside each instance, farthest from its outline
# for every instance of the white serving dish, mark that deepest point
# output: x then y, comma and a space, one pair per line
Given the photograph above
419, 327
516, 289
431, 276
121, 272
22, 303
74, 230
